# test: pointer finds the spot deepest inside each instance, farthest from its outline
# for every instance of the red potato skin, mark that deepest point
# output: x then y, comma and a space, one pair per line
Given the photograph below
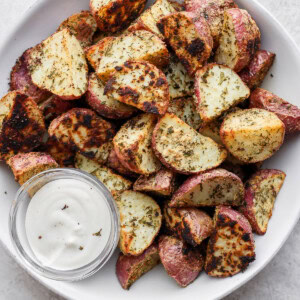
182, 263
248, 40
105, 110
226, 217
191, 225
247, 209
20, 79
289, 114
254, 74
203, 52
131, 268
193, 181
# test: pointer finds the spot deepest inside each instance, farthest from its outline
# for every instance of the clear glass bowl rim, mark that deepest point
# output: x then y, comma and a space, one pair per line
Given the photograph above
62, 275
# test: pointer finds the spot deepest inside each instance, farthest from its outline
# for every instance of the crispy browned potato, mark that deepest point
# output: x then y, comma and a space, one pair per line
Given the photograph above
182, 149
132, 144
180, 261
114, 15
161, 183
218, 89
190, 38
58, 65
83, 131
252, 135
261, 192
130, 268
240, 39
140, 218
191, 225
22, 125
26, 165
231, 246
212, 188
213, 12
254, 74
140, 84
82, 25
139, 45
20, 79
288, 113
105, 105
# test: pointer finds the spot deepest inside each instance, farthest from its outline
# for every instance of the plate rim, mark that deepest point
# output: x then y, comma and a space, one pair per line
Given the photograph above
23, 18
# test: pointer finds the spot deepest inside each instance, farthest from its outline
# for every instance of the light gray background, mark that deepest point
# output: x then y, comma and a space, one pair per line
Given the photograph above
279, 280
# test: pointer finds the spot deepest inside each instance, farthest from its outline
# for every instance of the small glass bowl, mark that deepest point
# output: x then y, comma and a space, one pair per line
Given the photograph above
18, 233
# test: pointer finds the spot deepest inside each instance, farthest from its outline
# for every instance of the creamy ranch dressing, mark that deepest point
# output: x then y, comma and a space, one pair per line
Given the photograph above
67, 224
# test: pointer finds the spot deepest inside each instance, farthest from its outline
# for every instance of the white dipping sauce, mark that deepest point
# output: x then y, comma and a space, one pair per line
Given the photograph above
67, 224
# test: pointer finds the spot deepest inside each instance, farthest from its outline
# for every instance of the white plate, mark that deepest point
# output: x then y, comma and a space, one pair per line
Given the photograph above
42, 20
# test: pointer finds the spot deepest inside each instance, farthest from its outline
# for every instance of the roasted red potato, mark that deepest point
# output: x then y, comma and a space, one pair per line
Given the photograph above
140, 84
215, 187
288, 113
82, 25
213, 12
130, 268
190, 38
261, 192
105, 105
254, 74
26, 165
252, 135
231, 246
20, 79
239, 41
115, 15
191, 225
161, 183
180, 261
22, 126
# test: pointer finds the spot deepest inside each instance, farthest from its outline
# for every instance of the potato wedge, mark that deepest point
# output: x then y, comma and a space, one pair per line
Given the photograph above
161, 183
58, 65
191, 225
83, 131
149, 18
182, 149
114, 183
139, 45
105, 105
185, 109
190, 38
215, 187
130, 268
261, 192
22, 125
254, 74
26, 165
231, 246
288, 113
82, 25
54, 107
217, 89
180, 83
132, 144
114, 15
213, 12
62, 154
239, 41
20, 79
140, 84
140, 218
180, 261
95, 52
252, 135
179, 6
